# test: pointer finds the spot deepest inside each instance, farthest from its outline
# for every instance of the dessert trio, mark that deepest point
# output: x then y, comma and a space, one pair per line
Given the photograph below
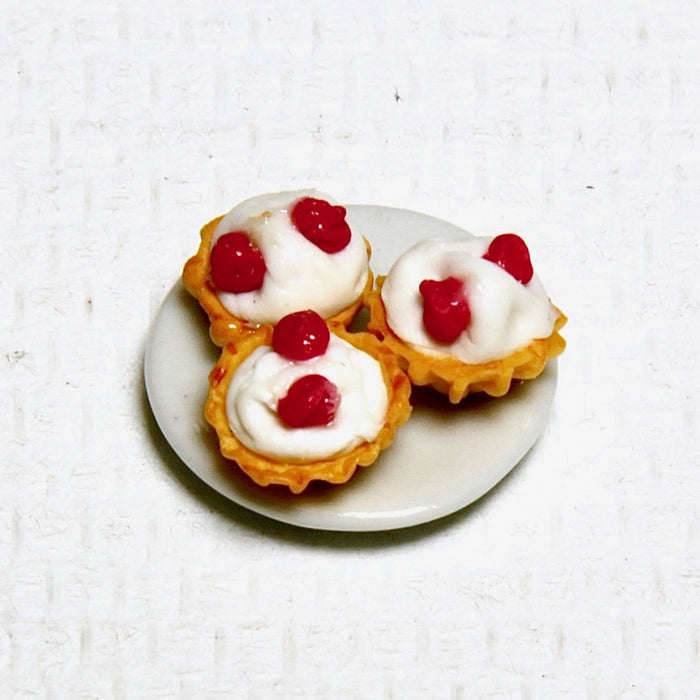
295, 396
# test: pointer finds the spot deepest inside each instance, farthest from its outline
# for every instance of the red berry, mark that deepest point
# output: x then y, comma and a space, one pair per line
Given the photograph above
236, 264
322, 223
311, 401
510, 252
301, 336
446, 312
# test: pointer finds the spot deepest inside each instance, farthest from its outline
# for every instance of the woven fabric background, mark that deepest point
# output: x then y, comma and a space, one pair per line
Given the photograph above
127, 125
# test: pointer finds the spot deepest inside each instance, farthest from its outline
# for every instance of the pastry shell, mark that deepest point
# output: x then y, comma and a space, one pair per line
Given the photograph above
224, 326
448, 375
266, 471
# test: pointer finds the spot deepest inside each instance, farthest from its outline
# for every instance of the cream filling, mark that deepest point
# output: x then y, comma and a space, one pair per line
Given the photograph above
505, 314
299, 274
264, 377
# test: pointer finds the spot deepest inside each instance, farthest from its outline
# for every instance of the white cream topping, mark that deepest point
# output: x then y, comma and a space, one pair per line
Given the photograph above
264, 377
505, 314
299, 274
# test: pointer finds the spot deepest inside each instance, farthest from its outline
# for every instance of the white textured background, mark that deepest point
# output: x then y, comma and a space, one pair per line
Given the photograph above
126, 126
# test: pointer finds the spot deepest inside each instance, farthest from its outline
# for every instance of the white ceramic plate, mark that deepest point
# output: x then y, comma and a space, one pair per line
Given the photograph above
443, 459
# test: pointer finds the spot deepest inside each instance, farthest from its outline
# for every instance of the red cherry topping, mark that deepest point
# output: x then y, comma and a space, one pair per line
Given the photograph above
301, 336
236, 264
510, 252
322, 223
311, 401
445, 310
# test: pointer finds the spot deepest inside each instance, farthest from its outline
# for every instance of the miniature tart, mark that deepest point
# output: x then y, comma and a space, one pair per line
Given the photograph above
466, 315
290, 421
275, 254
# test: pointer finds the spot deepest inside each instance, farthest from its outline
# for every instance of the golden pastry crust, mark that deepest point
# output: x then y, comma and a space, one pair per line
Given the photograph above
266, 471
455, 378
224, 327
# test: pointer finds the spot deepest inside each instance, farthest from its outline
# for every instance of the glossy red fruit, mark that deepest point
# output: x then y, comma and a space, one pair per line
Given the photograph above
301, 336
311, 401
446, 312
236, 264
322, 223
510, 252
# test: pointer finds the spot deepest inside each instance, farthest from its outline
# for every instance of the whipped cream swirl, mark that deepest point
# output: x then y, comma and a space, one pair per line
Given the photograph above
264, 377
299, 274
505, 314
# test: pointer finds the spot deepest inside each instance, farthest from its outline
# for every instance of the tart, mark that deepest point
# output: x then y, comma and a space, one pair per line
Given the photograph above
305, 401
467, 315
275, 254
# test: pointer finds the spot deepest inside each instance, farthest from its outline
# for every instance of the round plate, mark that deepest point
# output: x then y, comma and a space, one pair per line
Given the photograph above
442, 460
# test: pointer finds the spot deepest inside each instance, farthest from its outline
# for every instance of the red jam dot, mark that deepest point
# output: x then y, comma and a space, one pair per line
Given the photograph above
217, 376
311, 401
236, 264
510, 252
322, 223
301, 336
445, 310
